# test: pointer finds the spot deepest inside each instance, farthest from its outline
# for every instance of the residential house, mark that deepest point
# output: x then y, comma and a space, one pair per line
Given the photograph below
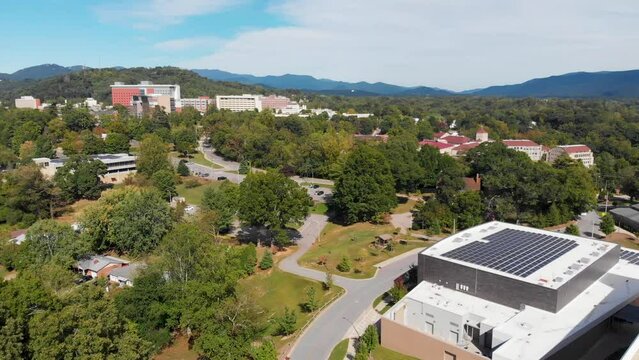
124, 276
99, 265
444, 148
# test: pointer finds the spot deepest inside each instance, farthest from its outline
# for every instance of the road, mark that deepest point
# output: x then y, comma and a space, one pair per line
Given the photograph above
589, 224
319, 339
229, 171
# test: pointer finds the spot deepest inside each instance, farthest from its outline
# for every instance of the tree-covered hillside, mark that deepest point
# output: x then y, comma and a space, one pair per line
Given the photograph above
95, 83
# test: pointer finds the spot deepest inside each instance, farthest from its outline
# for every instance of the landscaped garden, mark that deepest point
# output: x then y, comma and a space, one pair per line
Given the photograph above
355, 249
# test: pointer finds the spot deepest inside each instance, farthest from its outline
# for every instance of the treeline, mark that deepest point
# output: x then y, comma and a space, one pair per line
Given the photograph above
96, 83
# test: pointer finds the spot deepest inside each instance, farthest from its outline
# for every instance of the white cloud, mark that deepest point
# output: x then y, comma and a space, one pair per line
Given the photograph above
154, 14
457, 44
187, 43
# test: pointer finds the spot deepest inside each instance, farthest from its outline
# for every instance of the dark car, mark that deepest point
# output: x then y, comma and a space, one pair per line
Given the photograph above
83, 279
221, 178
319, 192
314, 186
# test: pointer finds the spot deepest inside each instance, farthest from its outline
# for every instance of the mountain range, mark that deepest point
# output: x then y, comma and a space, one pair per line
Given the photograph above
605, 84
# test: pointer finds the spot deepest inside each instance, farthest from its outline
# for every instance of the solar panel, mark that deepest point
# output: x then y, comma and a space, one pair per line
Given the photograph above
630, 256
516, 252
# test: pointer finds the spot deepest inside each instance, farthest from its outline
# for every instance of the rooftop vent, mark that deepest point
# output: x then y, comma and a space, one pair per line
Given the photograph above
594, 253
558, 279
575, 267
568, 272
584, 260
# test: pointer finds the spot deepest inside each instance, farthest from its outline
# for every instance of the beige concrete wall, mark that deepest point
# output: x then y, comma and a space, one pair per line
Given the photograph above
407, 341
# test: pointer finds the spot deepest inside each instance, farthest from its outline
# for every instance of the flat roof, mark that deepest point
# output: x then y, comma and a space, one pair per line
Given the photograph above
552, 269
531, 333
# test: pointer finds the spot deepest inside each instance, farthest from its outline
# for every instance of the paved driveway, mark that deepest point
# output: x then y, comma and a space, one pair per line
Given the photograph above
319, 339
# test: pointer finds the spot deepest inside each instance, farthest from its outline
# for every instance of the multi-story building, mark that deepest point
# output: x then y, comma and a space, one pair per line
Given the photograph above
244, 102
200, 104
166, 96
481, 135
119, 166
575, 152
531, 148
28, 102
275, 102
507, 292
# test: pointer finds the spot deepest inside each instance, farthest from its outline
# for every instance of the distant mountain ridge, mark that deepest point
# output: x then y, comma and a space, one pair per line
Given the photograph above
605, 84
309, 83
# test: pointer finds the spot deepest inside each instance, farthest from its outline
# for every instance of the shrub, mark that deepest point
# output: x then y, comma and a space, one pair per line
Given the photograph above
397, 292
191, 183
311, 304
328, 283
370, 337
572, 229
286, 323
182, 169
344, 265
267, 260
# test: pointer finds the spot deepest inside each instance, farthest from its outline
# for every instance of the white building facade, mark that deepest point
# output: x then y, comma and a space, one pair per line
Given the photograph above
531, 148
236, 103
576, 152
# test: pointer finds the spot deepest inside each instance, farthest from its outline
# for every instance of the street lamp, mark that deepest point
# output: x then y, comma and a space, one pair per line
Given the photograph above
353, 325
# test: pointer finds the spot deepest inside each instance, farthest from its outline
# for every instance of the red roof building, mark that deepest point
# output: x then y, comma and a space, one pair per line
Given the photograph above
444, 148
531, 148
576, 152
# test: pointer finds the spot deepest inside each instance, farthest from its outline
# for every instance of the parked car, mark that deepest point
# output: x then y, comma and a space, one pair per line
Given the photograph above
320, 192
221, 178
314, 186
83, 279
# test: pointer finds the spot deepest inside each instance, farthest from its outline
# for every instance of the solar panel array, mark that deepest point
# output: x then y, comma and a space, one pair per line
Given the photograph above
516, 252
630, 256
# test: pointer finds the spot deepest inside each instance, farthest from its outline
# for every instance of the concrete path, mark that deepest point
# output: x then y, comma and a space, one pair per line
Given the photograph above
404, 221
332, 325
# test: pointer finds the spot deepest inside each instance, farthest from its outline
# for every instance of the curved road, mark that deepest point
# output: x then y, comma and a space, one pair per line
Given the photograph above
319, 339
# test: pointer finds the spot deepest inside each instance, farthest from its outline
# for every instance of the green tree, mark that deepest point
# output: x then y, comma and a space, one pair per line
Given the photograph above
572, 229
224, 201
116, 143
78, 119
248, 258
402, 156
468, 209
272, 200
49, 240
366, 186
344, 265
397, 292
266, 351
153, 156
183, 170
607, 225
128, 220
185, 140
26, 195
267, 260
311, 303
286, 324
432, 215
80, 178
165, 182
370, 337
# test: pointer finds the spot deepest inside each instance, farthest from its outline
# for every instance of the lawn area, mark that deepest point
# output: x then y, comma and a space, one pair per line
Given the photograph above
179, 350
339, 352
197, 158
319, 208
404, 205
75, 210
275, 289
194, 195
622, 239
354, 241
382, 353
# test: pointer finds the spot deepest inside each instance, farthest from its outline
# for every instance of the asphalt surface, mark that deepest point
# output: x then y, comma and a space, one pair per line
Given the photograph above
229, 169
319, 339
588, 225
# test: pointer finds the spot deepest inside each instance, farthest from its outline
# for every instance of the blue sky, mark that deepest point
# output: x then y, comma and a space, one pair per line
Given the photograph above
454, 44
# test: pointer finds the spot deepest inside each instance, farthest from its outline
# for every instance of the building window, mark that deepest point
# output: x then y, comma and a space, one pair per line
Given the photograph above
430, 328
453, 336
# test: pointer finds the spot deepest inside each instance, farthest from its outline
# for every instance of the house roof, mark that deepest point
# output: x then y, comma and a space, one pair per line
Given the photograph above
129, 272
481, 130
572, 149
436, 144
519, 142
385, 237
472, 184
455, 139
462, 148
98, 262
439, 134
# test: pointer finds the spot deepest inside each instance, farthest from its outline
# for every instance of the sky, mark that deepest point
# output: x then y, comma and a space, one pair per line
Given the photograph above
451, 44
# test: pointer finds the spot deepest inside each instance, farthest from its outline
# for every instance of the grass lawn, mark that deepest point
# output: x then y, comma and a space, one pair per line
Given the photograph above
354, 241
274, 289
194, 195
197, 158
75, 210
382, 353
622, 239
339, 352
405, 205
179, 350
319, 208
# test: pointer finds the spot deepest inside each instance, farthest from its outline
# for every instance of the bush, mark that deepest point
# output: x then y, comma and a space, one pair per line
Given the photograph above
182, 169
311, 304
370, 337
328, 283
344, 265
607, 225
267, 260
397, 292
287, 322
572, 229
191, 183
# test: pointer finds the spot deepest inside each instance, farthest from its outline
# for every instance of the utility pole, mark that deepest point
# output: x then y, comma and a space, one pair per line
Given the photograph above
353, 325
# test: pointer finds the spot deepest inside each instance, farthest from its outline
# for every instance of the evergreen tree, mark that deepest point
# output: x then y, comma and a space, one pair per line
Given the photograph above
183, 170
287, 322
607, 225
267, 260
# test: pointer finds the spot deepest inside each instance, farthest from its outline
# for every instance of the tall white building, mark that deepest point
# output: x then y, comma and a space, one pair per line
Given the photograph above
575, 152
531, 148
244, 102
28, 102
